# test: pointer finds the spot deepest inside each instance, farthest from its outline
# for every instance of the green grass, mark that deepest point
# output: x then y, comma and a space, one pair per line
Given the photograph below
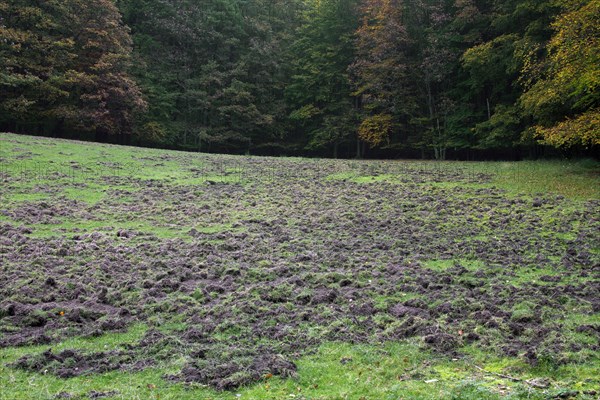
442, 265
572, 179
335, 371
165, 232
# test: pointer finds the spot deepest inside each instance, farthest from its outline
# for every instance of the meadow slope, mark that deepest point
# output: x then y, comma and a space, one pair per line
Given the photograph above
141, 273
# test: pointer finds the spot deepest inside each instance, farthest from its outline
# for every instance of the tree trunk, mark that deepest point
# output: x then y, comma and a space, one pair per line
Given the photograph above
439, 145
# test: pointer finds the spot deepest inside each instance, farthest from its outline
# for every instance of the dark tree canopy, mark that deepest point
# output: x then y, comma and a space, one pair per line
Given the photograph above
65, 64
430, 78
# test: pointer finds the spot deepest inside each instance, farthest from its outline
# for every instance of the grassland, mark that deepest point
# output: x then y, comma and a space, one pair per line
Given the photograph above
138, 273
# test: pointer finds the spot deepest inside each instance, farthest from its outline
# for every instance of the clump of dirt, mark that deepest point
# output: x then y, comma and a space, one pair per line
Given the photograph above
442, 341
240, 371
102, 395
70, 363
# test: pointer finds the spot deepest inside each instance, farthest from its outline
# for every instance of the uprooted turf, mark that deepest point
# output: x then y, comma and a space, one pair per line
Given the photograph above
273, 278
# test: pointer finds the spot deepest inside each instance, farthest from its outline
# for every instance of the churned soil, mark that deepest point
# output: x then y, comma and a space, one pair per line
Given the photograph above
261, 272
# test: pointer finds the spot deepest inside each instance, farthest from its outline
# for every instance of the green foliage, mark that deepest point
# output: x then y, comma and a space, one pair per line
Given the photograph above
565, 98
296, 76
211, 70
381, 70
319, 92
502, 129
492, 87
66, 63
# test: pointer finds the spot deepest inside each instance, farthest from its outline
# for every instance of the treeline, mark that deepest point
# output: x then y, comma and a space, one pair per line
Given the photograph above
347, 78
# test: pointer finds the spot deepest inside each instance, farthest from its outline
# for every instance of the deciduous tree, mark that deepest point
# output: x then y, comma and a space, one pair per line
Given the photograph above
565, 96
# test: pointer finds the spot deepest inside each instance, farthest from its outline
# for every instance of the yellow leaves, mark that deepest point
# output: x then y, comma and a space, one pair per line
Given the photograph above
9, 35
267, 377
477, 54
487, 53
305, 113
571, 78
583, 130
29, 12
65, 43
375, 129
78, 78
575, 46
153, 130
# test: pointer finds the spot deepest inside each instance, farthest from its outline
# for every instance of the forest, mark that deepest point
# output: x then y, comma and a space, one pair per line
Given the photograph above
339, 78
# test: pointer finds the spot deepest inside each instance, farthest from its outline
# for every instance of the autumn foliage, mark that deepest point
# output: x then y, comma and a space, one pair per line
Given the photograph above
343, 77
65, 63
572, 78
